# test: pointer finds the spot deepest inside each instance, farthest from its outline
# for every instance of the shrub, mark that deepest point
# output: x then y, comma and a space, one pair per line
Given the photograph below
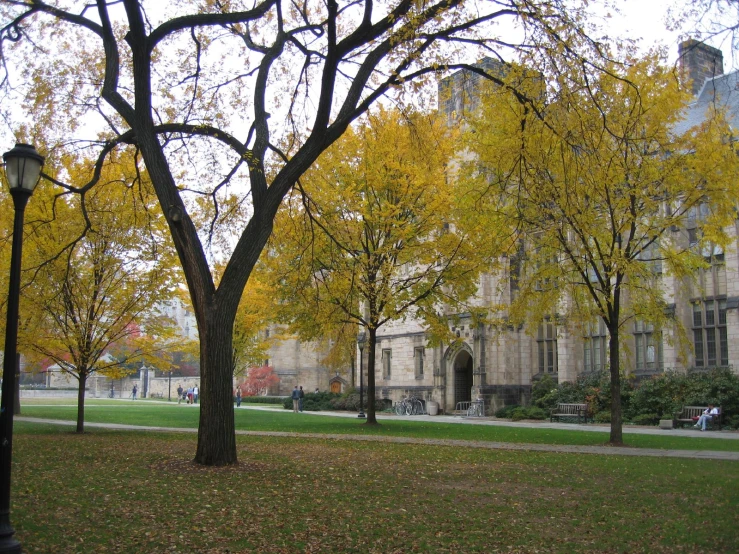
645, 419
544, 393
505, 411
642, 402
732, 422
347, 401
668, 392
517, 413
534, 412
264, 399
657, 395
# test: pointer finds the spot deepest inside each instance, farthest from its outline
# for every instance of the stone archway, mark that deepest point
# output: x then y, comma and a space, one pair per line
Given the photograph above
462, 372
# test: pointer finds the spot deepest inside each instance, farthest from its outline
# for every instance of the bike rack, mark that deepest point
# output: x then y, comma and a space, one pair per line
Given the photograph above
474, 408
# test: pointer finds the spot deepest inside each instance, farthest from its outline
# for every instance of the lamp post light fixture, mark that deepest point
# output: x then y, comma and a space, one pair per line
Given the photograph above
23, 169
361, 340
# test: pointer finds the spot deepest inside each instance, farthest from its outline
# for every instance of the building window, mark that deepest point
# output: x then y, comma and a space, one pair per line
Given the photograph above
648, 346
710, 339
652, 258
713, 253
387, 356
418, 355
547, 346
596, 346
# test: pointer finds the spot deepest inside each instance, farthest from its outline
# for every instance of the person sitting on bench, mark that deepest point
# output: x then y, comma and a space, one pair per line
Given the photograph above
706, 417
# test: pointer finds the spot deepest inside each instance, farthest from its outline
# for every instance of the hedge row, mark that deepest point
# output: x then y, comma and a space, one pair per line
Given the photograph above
647, 401
327, 401
262, 399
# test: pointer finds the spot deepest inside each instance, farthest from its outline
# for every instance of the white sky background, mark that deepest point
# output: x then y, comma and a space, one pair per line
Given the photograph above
647, 20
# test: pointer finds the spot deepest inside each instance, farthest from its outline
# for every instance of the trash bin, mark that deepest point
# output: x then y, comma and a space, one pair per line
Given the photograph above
432, 407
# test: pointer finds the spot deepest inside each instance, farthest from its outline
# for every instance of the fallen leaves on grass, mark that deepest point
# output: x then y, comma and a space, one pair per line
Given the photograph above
131, 492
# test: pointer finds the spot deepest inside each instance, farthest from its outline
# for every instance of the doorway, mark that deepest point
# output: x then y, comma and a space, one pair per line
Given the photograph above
462, 377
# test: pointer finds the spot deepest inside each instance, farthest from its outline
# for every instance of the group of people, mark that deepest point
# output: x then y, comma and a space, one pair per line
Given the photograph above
190, 395
297, 396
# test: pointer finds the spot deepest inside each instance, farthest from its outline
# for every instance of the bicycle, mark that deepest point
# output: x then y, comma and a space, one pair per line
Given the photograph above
410, 405
476, 409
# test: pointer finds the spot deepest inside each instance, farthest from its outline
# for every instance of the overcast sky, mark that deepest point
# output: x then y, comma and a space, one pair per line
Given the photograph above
646, 19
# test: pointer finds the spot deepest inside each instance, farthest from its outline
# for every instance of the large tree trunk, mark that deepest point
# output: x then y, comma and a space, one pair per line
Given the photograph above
616, 437
371, 414
81, 401
216, 429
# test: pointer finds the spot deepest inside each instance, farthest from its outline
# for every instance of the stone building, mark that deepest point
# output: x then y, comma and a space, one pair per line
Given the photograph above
500, 365
299, 363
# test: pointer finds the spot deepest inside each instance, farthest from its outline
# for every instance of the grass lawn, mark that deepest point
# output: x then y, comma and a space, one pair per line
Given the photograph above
173, 415
123, 492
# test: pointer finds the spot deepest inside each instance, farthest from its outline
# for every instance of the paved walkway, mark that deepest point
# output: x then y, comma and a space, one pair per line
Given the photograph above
572, 449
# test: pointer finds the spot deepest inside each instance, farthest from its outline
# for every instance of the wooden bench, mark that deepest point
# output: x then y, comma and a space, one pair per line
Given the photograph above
577, 411
688, 413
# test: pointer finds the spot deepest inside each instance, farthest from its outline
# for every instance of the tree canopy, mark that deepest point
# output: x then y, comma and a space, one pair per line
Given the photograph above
229, 103
602, 188
373, 234
94, 277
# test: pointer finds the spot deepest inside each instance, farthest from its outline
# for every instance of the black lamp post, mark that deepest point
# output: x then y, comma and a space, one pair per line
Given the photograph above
22, 168
361, 339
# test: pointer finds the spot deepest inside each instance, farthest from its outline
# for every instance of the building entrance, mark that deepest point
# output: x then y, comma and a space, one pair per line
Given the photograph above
462, 377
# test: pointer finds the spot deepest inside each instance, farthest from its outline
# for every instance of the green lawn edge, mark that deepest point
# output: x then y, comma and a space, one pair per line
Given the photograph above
183, 416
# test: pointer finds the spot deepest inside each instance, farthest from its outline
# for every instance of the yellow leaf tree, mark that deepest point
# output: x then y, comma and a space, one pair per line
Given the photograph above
600, 183
373, 235
96, 273
211, 93
249, 341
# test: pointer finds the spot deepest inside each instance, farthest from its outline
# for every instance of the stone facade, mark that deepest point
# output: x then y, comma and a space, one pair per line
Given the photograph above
299, 363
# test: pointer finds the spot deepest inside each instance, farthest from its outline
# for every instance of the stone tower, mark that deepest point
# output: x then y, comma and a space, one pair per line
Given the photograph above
697, 62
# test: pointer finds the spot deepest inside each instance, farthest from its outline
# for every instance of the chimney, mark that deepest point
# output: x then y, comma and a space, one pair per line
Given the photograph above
697, 62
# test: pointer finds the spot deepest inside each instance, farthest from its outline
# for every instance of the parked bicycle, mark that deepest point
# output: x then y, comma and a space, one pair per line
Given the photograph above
476, 409
410, 405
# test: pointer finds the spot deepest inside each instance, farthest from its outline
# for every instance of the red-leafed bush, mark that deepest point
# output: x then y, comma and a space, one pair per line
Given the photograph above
258, 381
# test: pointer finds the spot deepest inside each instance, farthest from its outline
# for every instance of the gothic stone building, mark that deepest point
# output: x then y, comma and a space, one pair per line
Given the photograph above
501, 364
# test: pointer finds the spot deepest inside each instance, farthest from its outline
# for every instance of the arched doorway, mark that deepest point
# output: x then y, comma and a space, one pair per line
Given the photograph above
462, 377
337, 384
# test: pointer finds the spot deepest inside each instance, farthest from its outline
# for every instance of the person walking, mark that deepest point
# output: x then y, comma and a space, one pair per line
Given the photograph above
179, 393
296, 398
301, 395
189, 395
195, 394
134, 391
238, 397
